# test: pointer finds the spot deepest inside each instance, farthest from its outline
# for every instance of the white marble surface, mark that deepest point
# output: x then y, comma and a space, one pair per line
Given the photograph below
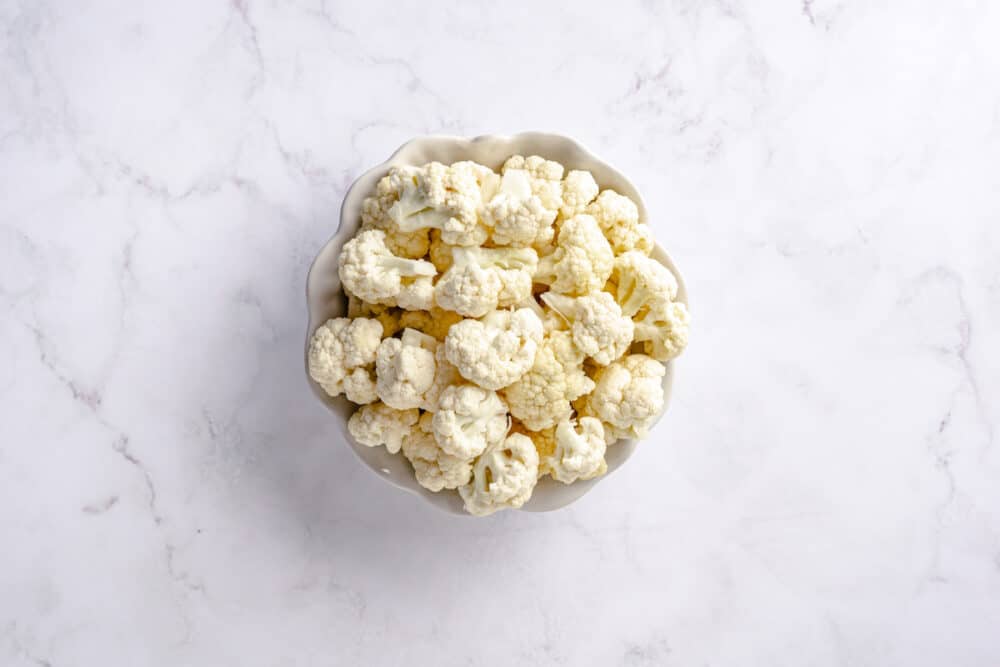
825, 491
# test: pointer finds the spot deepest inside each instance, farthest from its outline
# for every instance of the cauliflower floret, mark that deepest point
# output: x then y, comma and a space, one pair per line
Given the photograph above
359, 386
416, 295
445, 375
446, 198
618, 217
409, 245
582, 260
388, 316
435, 470
503, 476
569, 355
470, 291
541, 398
481, 280
439, 252
516, 215
434, 322
378, 424
469, 418
578, 189
515, 284
405, 369
488, 180
545, 178
663, 329
639, 281
370, 272
341, 353
579, 451
628, 396
414, 370
497, 350
545, 444
375, 215
583, 409
599, 329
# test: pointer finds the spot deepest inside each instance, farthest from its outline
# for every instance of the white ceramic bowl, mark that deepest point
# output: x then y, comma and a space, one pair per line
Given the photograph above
326, 299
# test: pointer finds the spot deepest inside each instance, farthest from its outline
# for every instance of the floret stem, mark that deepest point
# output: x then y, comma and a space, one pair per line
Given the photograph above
516, 183
499, 258
630, 298
644, 331
507, 258
408, 267
531, 304
564, 305
424, 218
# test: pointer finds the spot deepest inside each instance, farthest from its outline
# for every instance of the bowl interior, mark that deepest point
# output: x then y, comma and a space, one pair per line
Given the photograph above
326, 299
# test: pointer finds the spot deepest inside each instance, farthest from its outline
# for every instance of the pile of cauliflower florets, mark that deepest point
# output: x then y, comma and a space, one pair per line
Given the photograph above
501, 327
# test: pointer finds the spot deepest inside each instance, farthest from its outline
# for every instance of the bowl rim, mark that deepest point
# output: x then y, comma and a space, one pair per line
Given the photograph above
319, 280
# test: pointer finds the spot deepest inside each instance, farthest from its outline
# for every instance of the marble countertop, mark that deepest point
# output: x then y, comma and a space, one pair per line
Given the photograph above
824, 491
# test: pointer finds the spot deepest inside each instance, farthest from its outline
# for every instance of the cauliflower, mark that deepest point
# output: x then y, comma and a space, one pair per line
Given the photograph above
445, 375
578, 189
413, 370
582, 261
545, 178
434, 322
618, 217
545, 445
469, 418
408, 245
541, 398
388, 316
628, 396
359, 386
417, 295
435, 470
439, 252
370, 272
516, 215
547, 248
405, 369
375, 215
503, 476
487, 179
579, 451
341, 353
482, 279
569, 355
497, 350
663, 329
438, 197
639, 281
599, 329
378, 424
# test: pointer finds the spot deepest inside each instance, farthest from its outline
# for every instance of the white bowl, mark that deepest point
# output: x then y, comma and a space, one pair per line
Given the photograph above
326, 299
